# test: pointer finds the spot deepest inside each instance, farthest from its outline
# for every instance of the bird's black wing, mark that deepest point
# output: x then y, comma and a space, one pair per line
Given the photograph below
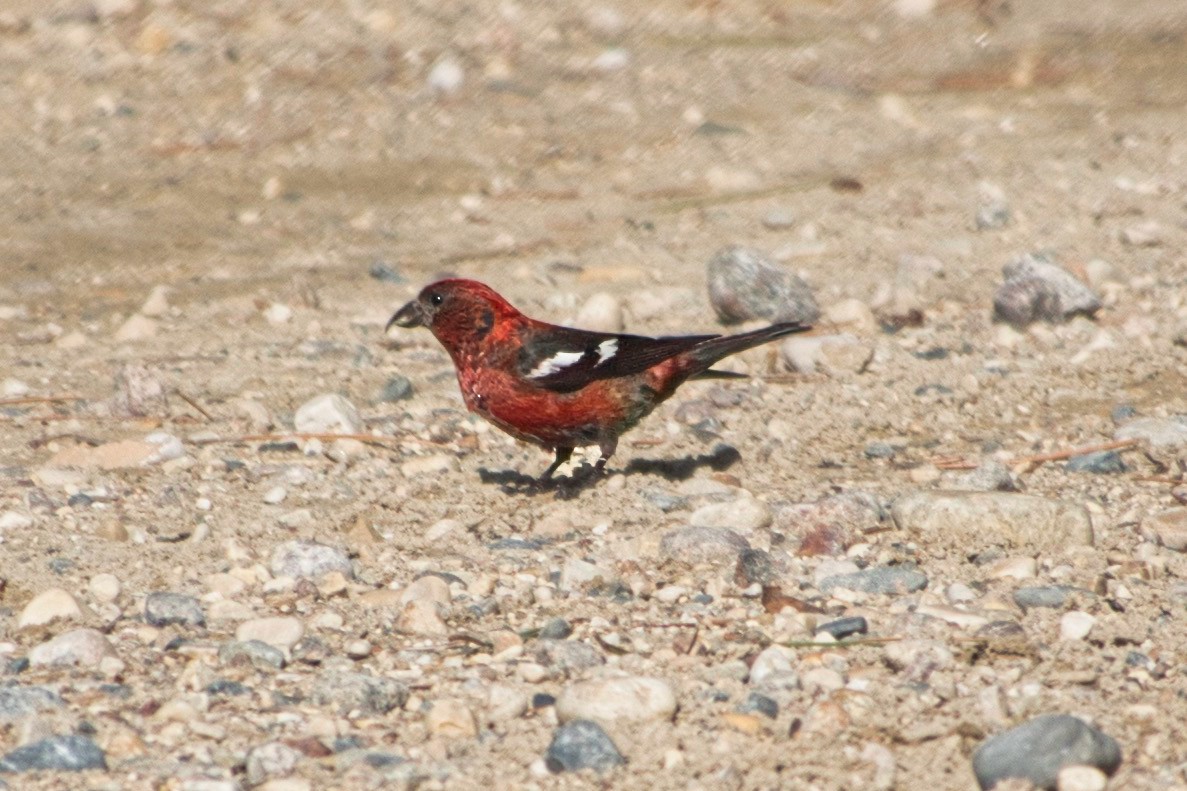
564, 359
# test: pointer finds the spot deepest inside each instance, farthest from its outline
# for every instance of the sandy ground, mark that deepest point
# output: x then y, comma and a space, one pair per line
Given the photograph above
261, 160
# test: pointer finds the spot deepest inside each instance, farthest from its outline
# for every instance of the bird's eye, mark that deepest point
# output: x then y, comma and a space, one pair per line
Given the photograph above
436, 299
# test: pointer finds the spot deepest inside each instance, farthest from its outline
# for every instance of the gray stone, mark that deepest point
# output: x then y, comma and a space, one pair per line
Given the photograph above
566, 655
555, 629
397, 388
716, 545
256, 653
1105, 462
844, 627
70, 753
758, 703
1050, 596
745, 285
881, 579
19, 702
309, 559
582, 744
163, 608
990, 476
270, 760
1039, 748
328, 413
1035, 289
348, 691
972, 522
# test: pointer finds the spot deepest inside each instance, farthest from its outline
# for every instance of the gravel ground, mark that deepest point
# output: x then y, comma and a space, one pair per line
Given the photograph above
249, 540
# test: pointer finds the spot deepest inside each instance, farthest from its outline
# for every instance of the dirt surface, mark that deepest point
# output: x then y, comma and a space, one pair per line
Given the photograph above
292, 172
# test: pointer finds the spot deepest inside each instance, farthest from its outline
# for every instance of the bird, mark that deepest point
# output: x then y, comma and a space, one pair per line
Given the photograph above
559, 387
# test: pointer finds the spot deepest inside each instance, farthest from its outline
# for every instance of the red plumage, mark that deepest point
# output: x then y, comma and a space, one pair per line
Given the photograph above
560, 387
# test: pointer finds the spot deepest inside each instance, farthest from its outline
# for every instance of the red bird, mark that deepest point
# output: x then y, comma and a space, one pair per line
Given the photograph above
560, 387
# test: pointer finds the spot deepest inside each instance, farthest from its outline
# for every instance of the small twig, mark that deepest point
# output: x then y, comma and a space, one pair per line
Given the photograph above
194, 404
38, 400
1060, 455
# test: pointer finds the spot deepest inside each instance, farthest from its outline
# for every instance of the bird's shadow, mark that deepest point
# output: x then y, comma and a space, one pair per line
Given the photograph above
586, 477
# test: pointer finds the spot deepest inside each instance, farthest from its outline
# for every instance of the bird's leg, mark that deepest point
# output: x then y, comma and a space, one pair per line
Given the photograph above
608, 446
562, 455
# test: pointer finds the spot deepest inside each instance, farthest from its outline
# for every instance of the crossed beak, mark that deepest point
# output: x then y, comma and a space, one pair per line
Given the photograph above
410, 315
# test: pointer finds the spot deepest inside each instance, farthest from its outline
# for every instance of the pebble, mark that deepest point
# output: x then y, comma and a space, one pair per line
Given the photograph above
329, 413
14, 520
20, 702
1012, 568
1167, 529
745, 515
832, 353
631, 698
136, 328
1082, 778
349, 691
451, 719
578, 574
1050, 596
309, 560
255, 653
270, 760
953, 615
744, 285
275, 495
282, 632
917, 659
566, 656
505, 702
164, 608
423, 617
582, 744
844, 627
693, 545
851, 314
446, 77
1158, 432
774, 663
990, 476
82, 647
1105, 462
1035, 289
139, 392
556, 629
755, 567
48, 606
893, 580
757, 703
1038, 749
69, 753
278, 313
975, 521
1075, 625
436, 464
1144, 234
397, 388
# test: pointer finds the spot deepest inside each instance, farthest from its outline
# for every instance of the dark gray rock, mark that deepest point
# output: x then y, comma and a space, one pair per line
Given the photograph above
755, 566
556, 629
1036, 750
1105, 462
582, 744
70, 753
164, 608
844, 627
881, 579
757, 703
397, 388
348, 691
745, 285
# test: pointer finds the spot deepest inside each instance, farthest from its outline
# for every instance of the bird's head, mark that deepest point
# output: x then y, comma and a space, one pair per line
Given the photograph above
456, 311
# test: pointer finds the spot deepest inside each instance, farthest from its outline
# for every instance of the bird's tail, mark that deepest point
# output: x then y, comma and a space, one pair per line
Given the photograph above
709, 352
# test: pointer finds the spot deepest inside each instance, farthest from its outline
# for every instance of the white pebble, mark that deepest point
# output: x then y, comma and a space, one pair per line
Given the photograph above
275, 495
1075, 625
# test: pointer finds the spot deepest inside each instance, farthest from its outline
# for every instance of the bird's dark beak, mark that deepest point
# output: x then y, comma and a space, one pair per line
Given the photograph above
410, 315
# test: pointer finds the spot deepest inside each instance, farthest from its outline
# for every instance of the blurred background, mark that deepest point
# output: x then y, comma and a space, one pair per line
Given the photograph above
295, 151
